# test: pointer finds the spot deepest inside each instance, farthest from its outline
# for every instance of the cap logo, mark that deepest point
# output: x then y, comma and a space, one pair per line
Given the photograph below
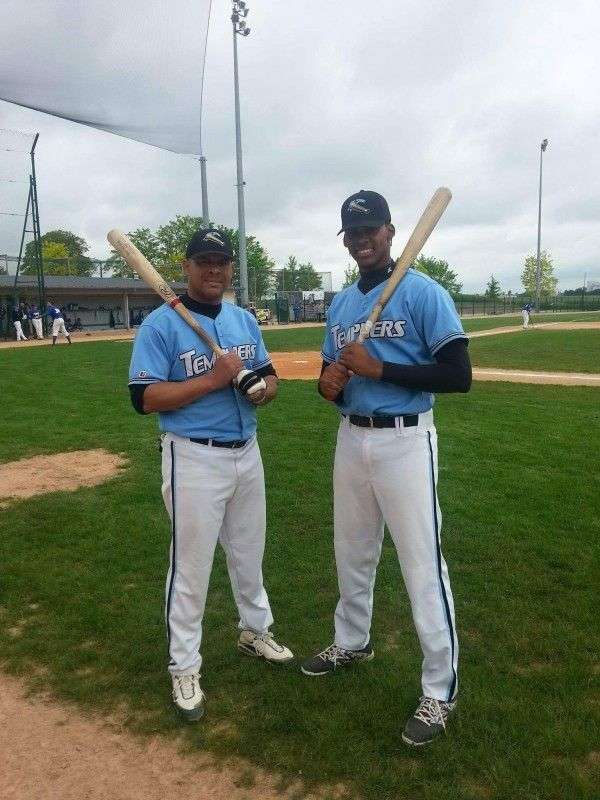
358, 205
213, 237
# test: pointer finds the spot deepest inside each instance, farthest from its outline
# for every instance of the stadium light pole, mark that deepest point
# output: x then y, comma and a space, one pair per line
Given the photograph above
538, 271
238, 20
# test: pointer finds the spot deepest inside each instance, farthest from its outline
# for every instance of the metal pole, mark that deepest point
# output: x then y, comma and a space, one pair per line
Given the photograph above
242, 257
35, 209
538, 272
205, 211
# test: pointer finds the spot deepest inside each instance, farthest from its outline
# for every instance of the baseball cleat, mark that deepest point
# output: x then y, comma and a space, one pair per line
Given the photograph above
428, 721
333, 657
188, 697
263, 645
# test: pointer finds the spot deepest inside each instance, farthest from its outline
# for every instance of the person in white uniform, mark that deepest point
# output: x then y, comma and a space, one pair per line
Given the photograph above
17, 316
213, 480
386, 466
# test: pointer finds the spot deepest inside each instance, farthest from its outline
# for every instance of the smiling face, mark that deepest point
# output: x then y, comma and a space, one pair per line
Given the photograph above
370, 247
209, 276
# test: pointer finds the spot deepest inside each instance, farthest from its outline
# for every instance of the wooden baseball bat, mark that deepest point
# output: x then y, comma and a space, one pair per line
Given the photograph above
140, 264
429, 219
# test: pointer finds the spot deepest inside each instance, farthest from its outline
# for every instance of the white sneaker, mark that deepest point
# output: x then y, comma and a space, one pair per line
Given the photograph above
263, 645
188, 697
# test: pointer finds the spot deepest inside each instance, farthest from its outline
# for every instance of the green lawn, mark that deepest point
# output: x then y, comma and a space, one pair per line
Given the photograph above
82, 586
569, 351
294, 339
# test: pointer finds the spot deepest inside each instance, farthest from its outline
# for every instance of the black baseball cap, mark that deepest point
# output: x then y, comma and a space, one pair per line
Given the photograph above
209, 240
365, 209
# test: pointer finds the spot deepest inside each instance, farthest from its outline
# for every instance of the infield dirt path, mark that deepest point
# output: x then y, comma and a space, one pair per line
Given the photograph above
50, 752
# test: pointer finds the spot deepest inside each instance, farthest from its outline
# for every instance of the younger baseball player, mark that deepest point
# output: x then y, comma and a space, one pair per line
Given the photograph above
213, 481
17, 317
58, 323
36, 321
386, 466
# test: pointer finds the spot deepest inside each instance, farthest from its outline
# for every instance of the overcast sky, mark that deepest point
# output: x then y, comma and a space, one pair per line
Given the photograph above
400, 97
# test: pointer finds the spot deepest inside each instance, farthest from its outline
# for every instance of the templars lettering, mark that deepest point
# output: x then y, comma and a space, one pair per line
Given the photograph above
195, 364
382, 329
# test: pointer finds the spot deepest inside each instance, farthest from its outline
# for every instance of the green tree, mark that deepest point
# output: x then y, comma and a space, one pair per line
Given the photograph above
351, 275
308, 278
66, 252
548, 282
440, 271
287, 278
493, 290
295, 277
165, 249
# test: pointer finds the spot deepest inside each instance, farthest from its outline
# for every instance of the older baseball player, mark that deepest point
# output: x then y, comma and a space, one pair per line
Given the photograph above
58, 322
213, 481
386, 456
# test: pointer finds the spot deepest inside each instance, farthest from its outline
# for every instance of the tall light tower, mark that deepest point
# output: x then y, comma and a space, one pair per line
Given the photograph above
238, 20
538, 272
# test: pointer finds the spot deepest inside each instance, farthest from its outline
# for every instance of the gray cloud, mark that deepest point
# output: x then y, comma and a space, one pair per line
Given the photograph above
335, 97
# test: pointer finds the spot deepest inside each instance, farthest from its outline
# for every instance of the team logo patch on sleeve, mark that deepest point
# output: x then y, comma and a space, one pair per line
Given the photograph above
143, 374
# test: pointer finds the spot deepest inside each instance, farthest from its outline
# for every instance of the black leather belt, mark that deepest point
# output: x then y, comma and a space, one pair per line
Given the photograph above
234, 445
408, 420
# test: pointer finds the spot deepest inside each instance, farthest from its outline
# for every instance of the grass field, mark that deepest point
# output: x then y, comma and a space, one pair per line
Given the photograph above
552, 351
294, 339
81, 594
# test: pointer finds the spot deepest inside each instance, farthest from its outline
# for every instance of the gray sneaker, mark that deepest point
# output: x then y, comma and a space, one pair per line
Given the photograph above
332, 657
428, 721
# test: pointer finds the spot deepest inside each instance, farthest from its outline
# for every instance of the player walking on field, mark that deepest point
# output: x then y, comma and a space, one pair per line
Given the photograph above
213, 481
385, 467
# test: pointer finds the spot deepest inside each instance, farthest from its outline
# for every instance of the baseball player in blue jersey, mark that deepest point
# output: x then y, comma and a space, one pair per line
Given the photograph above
385, 469
58, 322
526, 313
213, 481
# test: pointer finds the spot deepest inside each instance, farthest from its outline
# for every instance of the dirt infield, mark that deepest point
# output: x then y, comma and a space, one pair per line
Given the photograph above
50, 752
60, 472
307, 366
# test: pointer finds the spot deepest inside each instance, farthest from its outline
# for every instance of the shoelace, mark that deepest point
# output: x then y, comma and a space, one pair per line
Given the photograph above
267, 638
335, 654
186, 682
431, 712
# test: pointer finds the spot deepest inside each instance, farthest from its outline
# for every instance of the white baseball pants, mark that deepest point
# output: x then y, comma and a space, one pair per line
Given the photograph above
389, 476
212, 494
20, 335
58, 326
37, 325
525, 318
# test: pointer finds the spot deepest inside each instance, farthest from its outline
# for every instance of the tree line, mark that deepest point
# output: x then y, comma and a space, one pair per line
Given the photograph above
65, 253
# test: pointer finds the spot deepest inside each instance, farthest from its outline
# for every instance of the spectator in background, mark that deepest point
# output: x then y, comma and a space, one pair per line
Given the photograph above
35, 319
17, 316
252, 310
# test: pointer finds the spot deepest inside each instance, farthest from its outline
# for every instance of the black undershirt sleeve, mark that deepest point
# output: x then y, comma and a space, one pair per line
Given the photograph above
451, 371
136, 390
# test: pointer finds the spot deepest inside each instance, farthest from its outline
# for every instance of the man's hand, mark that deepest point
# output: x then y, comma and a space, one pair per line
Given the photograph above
356, 358
332, 380
226, 368
265, 396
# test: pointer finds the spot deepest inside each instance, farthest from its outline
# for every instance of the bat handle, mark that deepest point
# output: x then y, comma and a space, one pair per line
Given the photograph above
365, 330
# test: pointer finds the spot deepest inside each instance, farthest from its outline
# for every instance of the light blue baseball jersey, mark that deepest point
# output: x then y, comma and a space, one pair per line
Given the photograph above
418, 320
167, 349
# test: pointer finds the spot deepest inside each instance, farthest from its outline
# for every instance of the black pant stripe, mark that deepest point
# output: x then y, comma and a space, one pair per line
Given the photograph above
438, 549
173, 548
